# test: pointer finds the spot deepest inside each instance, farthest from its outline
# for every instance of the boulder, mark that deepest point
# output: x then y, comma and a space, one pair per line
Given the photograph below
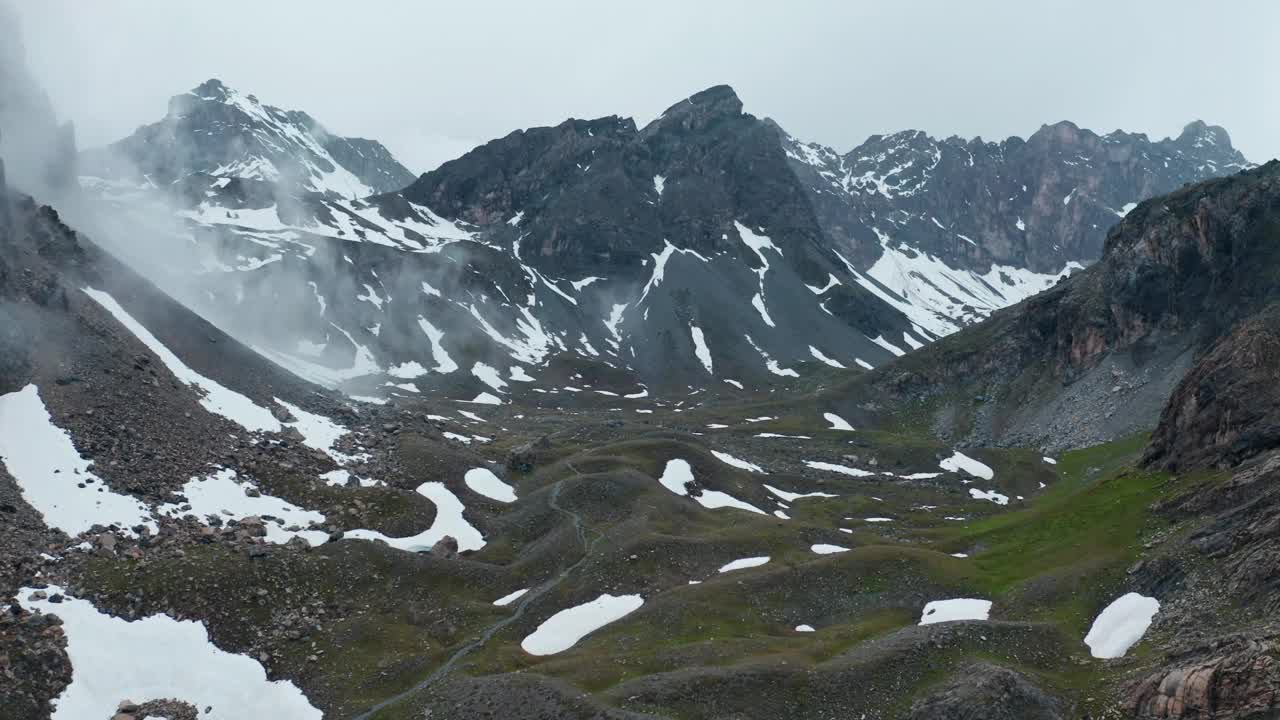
446, 547
526, 457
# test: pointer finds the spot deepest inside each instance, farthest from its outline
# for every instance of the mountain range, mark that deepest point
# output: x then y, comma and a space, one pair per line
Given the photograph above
707, 247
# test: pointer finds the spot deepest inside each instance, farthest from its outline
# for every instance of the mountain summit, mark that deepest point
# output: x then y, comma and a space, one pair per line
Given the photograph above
217, 131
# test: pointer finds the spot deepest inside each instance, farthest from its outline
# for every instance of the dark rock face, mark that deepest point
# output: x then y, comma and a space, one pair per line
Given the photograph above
988, 692
1037, 204
1227, 408
217, 131
1180, 270
15, 341
1212, 671
589, 198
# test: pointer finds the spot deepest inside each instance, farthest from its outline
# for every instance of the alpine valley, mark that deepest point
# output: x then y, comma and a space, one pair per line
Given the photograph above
694, 420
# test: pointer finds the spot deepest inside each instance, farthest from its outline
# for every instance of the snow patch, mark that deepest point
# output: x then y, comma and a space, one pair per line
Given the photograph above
484, 482
564, 629
1121, 625
961, 462
939, 611
506, 600
700, 347
676, 477
837, 422
818, 354
792, 497
991, 495
444, 363
407, 371
832, 281
49, 471
222, 495
159, 657
728, 459
832, 467
743, 564
489, 376
449, 521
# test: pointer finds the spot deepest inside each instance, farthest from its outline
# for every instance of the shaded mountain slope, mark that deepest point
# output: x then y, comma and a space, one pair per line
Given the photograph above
1097, 356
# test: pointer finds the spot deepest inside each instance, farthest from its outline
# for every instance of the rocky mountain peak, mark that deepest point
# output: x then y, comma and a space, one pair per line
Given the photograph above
218, 131
1199, 134
697, 111
1062, 132
213, 88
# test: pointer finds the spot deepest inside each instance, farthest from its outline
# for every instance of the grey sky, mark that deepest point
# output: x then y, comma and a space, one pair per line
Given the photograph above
432, 79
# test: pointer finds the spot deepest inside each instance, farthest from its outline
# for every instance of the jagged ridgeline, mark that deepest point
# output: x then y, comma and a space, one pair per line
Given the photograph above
707, 249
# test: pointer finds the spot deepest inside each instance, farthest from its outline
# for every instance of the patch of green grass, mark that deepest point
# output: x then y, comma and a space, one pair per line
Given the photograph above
1059, 557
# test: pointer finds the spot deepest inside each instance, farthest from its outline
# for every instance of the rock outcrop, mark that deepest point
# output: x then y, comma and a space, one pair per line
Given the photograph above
34, 666
988, 692
1240, 679
1178, 273
1227, 408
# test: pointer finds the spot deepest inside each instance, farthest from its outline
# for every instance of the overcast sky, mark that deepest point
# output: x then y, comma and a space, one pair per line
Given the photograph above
432, 79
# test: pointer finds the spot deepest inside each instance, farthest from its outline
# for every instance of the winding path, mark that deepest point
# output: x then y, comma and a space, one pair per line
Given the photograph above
522, 604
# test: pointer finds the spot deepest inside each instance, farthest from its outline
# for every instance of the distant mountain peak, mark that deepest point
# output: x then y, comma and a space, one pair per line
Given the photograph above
217, 130
695, 111
1199, 134
213, 87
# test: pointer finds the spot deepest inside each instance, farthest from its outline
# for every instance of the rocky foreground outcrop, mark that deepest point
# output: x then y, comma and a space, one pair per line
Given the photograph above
1228, 407
1239, 678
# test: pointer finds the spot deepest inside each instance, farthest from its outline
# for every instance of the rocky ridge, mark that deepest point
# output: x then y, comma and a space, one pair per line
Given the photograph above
1177, 274
627, 244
